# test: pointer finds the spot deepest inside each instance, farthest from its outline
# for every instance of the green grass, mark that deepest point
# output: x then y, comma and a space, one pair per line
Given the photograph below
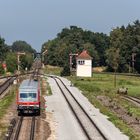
52, 70
49, 89
4, 104
130, 107
119, 123
45, 90
103, 84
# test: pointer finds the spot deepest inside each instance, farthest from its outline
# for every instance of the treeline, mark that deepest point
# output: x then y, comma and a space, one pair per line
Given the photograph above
74, 40
119, 51
8, 55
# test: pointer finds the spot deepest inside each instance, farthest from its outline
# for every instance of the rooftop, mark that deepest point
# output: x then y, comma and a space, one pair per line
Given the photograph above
28, 84
84, 55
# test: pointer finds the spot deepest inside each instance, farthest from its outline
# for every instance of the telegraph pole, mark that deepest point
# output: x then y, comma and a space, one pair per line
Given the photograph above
18, 59
18, 62
133, 61
43, 54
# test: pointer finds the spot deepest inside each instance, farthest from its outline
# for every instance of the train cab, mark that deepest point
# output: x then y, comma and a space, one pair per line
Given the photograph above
28, 97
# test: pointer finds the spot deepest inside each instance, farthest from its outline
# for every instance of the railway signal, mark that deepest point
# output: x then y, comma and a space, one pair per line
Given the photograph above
71, 55
4, 66
18, 59
18, 62
133, 62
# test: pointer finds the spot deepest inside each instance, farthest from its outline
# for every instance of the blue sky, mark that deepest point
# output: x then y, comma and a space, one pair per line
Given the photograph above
36, 21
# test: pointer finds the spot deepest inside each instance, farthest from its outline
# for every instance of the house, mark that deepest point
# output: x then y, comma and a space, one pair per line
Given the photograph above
84, 65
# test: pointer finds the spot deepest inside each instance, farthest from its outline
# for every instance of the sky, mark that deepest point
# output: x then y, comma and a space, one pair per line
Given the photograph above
37, 21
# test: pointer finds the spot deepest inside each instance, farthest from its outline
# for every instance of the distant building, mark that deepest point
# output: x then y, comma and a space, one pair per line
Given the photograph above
84, 65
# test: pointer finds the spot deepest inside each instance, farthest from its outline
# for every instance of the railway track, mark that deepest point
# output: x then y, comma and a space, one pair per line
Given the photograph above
15, 75
90, 129
132, 99
32, 129
6, 84
20, 126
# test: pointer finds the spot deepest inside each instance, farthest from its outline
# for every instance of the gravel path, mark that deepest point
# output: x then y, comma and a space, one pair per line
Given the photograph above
67, 126
107, 127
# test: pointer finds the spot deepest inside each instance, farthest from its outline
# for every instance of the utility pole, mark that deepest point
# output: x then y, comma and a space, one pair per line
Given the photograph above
133, 61
43, 54
129, 67
18, 62
18, 59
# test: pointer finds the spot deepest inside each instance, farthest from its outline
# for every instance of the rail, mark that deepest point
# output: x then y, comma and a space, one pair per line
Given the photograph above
87, 130
32, 128
134, 99
6, 84
18, 128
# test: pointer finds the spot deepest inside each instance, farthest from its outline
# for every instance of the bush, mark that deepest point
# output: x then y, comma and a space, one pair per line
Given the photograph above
11, 61
65, 71
1, 70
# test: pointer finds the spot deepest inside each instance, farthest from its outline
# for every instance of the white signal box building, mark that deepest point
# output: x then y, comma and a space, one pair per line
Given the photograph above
84, 65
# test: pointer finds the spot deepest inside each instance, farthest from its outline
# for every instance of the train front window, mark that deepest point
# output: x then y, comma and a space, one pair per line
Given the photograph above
28, 97
32, 95
23, 95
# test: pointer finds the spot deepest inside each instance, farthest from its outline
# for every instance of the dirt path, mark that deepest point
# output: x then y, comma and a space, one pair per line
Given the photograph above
43, 130
121, 112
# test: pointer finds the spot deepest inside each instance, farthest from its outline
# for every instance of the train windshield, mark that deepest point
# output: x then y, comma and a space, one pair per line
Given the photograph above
28, 96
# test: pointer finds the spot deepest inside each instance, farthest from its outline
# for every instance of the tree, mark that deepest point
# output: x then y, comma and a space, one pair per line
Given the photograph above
11, 61
127, 39
22, 46
113, 58
65, 71
3, 49
92, 52
117, 41
74, 40
1, 69
26, 61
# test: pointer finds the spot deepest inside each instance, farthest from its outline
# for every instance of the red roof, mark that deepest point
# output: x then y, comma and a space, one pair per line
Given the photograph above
84, 55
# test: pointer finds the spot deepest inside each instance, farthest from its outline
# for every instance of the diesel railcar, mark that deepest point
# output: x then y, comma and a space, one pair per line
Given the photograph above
28, 97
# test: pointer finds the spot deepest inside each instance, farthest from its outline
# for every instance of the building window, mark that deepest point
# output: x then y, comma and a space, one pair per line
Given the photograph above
81, 62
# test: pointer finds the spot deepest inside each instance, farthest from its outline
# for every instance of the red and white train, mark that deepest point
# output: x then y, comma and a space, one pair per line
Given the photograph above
28, 97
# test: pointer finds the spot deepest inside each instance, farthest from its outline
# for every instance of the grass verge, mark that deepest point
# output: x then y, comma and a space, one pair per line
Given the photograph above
4, 105
102, 84
45, 87
52, 70
49, 91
